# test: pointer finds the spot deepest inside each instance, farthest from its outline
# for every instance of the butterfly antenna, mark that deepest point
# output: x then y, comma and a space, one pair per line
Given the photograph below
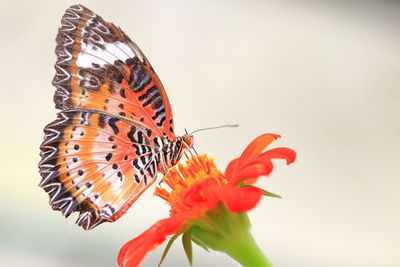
217, 127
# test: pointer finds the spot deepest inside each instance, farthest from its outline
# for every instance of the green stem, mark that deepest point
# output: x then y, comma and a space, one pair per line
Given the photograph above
245, 251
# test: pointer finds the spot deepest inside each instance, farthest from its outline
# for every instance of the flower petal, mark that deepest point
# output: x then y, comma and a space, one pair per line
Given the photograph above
254, 170
134, 251
280, 153
202, 194
231, 168
251, 152
262, 164
257, 146
239, 199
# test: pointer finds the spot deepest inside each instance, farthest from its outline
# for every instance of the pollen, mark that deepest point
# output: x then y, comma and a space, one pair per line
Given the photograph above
182, 178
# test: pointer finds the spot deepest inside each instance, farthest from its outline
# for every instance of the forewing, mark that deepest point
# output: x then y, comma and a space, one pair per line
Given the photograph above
99, 67
96, 164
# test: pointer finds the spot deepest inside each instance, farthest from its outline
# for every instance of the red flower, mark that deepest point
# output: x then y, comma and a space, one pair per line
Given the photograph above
199, 191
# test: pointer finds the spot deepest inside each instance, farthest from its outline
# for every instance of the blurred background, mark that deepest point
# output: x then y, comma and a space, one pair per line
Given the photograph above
323, 74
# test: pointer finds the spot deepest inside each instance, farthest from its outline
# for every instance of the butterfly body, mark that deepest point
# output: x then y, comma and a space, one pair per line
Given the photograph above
114, 133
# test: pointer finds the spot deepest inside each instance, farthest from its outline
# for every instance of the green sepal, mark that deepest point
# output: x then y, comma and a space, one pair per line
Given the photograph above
200, 243
265, 192
270, 194
187, 245
170, 242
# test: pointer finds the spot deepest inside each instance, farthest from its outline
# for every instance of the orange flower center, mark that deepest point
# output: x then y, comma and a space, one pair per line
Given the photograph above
200, 173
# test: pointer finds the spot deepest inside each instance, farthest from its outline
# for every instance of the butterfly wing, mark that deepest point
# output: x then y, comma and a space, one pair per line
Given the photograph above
98, 155
99, 67
96, 164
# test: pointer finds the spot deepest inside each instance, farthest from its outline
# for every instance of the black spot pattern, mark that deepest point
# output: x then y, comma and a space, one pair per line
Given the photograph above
139, 78
135, 164
102, 120
137, 178
122, 93
112, 122
131, 134
153, 98
147, 93
158, 113
161, 122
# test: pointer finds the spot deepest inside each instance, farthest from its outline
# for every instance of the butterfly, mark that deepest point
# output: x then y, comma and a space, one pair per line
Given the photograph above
114, 132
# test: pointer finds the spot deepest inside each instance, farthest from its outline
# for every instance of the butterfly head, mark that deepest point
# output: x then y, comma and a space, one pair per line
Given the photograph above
182, 144
188, 139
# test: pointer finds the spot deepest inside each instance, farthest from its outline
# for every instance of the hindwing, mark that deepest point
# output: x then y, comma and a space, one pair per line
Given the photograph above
96, 164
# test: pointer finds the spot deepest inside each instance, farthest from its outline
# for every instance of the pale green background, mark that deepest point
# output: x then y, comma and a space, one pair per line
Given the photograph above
325, 75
